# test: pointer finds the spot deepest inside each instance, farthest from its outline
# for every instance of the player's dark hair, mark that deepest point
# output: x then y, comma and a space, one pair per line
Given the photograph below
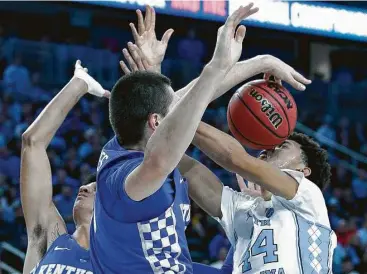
133, 98
315, 158
91, 178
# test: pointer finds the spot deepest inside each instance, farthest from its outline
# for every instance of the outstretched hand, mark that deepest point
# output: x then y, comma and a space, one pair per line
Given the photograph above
135, 60
145, 38
283, 72
229, 41
250, 189
94, 87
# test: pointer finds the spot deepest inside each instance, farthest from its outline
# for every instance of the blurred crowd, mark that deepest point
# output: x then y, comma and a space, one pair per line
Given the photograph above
26, 68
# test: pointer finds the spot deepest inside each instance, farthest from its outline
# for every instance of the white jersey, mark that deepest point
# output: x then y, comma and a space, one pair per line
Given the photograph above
279, 236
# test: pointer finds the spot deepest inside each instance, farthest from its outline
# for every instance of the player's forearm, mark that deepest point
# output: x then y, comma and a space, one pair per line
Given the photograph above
238, 74
171, 139
204, 186
42, 130
241, 72
217, 145
227, 152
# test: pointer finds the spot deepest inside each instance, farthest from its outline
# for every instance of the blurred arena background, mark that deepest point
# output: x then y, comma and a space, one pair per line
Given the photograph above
40, 41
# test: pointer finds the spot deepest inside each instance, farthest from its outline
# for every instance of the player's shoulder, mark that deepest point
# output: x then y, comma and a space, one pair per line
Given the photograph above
309, 201
305, 185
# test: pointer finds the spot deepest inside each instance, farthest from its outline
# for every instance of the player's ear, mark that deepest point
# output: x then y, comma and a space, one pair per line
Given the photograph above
153, 121
306, 171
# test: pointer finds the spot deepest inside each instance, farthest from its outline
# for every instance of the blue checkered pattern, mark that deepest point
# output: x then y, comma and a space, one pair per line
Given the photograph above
160, 243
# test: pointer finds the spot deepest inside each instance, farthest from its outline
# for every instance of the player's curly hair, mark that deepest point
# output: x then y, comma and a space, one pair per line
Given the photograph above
315, 158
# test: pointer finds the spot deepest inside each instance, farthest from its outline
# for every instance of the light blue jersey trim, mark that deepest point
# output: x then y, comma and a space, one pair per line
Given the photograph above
314, 243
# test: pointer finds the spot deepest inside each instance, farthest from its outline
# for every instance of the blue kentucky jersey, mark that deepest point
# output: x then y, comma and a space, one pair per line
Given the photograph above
65, 256
138, 237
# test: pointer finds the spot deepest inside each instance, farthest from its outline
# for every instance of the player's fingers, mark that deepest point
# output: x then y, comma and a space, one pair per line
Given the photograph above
124, 67
241, 183
107, 94
245, 12
148, 15
249, 13
144, 59
300, 78
232, 18
78, 64
240, 34
152, 19
167, 35
135, 56
130, 60
141, 25
85, 69
294, 83
134, 32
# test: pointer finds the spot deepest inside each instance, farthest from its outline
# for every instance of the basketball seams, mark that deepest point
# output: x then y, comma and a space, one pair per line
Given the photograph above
281, 105
259, 120
239, 132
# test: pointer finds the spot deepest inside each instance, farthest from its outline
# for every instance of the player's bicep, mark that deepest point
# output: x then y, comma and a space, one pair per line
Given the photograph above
266, 175
144, 180
36, 187
204, 186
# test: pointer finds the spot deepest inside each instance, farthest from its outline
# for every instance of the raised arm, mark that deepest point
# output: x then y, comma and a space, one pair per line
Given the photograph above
44, 223
170, 140
227, 152
246, 69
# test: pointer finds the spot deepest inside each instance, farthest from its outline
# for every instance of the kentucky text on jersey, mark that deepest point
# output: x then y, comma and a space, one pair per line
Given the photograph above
138, 237
61, 269
65, 256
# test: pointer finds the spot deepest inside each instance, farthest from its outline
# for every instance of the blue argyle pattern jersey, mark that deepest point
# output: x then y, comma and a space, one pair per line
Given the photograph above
137, 237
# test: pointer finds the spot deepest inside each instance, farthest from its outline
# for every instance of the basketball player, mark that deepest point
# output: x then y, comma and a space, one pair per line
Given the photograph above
142, 205
50, 249
287, 230
191, 169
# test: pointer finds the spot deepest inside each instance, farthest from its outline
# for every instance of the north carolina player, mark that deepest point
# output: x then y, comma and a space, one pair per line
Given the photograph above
50, 249
287, 230
142, 206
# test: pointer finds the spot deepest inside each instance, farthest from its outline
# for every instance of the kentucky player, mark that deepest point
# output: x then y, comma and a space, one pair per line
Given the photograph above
287, 230
142, 205
50, 249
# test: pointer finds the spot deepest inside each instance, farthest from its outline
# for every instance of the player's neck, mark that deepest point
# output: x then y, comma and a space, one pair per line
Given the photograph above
138, 147
81, 235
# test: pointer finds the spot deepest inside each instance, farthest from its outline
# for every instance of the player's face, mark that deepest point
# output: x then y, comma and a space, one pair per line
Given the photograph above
285, 155
84, 203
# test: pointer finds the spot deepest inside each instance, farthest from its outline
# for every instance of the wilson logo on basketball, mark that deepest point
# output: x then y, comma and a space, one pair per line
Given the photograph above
281, 94
266, 107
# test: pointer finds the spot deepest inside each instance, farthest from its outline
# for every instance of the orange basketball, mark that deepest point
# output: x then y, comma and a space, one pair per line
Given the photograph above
262, 114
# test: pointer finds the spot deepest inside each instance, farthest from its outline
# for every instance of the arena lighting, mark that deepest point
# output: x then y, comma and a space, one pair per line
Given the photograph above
317, 18
308, 17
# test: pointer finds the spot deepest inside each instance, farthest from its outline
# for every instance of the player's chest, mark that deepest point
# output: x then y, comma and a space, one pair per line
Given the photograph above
265, 242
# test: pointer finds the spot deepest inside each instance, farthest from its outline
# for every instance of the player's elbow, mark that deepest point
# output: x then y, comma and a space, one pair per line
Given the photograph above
29, 139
